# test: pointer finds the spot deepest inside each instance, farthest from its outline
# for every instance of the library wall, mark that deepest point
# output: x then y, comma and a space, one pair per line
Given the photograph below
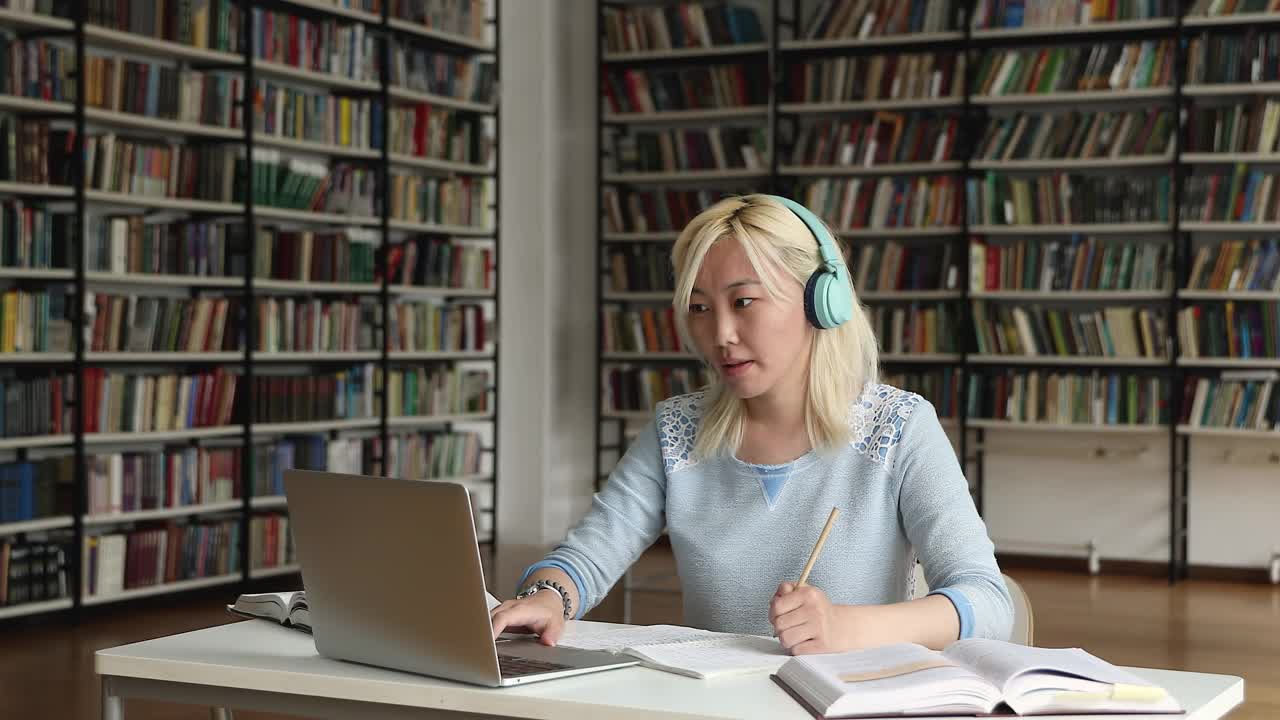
1041, 500
1234, 496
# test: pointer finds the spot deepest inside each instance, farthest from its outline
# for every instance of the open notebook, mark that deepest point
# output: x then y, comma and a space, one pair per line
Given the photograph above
970, 677
683, 650
289, 608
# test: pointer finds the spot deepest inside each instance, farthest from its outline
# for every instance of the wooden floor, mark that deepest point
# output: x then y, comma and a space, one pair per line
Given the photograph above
46, 669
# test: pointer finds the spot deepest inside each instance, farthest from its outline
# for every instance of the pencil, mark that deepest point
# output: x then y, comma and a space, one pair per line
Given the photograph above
817, 548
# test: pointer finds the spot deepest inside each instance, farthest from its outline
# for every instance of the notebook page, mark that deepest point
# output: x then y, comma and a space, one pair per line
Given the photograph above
616, 638
715, 656
1000, 662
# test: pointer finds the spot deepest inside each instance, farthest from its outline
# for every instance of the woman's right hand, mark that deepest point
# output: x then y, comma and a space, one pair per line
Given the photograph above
541, 613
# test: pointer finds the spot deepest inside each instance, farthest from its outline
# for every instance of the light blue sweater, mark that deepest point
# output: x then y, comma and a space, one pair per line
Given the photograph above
737, 529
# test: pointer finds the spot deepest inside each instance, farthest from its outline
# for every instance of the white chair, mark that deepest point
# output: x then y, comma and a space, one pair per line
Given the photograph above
1023, 632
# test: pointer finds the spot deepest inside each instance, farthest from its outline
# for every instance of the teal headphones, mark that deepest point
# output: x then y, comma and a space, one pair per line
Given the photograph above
828, 295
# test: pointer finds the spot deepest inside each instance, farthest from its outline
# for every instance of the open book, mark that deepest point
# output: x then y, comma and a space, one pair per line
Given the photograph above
290, 608
677, 649
970, 677
287, 608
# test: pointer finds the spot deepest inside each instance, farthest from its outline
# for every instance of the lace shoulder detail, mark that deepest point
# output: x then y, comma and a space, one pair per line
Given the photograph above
677, 427
877, 420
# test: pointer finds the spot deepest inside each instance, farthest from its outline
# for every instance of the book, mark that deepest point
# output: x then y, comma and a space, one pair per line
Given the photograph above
290, 609
648, 90
456, 17
651, 151
899, 76
413, 391
210, 24
970, 677
161, 555
1087, 398
461, 201
287, 608
887, 202
680, 25
344, 395
1060, 198
1064, 13
418, 68
1213, 58
692, 652
1102, 67
170, 478
32, 572
941, 387
863, 19
634, 389
326, 46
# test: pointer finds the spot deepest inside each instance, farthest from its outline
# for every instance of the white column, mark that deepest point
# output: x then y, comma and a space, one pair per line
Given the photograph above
547, 289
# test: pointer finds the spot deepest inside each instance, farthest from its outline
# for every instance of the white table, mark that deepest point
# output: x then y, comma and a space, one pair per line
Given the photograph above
258, 665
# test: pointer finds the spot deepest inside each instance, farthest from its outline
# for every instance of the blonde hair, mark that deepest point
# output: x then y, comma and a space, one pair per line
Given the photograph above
779, 246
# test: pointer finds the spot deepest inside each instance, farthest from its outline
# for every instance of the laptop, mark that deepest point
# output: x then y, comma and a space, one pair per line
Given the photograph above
392, 573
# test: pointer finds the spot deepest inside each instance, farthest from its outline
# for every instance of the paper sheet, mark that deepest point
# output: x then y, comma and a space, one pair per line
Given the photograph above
716, 656
616, 638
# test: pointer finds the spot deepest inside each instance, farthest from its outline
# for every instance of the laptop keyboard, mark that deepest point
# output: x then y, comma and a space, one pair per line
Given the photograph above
515, 666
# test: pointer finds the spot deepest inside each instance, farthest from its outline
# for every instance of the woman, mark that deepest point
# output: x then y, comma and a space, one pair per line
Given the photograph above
744, 474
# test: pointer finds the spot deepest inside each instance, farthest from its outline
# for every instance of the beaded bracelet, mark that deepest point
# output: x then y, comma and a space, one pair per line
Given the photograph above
549, 585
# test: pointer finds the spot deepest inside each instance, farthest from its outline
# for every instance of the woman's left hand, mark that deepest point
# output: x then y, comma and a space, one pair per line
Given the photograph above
805, 620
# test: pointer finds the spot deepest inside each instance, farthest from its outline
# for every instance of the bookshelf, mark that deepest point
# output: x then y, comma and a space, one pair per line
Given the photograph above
655, 95
1022, 141
335, 290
